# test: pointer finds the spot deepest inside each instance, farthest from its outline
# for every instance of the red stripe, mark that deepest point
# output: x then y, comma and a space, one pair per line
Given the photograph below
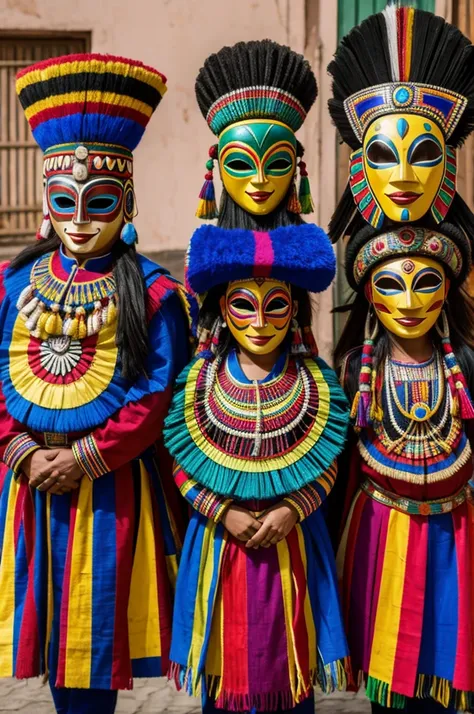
411, 619
64, 59
92, 108
350, 552
64, 614
124, 528
255, 94
20, 499
235, 678
367, 212
264, 255
27, 661
299, 621
378, 574
463, 669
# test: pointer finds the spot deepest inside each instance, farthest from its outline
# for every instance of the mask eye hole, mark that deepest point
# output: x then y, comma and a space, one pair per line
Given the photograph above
426, 152
242, 305
279, 164
427, 282
381, 155
63, 203
239, 165
388, 286
102, 204
278, 305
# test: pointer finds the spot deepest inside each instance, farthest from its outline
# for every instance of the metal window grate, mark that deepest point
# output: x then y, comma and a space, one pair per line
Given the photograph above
21, 184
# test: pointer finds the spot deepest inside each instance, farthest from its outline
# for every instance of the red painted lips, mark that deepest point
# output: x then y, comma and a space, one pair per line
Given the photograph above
403, 198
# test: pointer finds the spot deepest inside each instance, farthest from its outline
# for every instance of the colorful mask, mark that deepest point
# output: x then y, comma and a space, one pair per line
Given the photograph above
87, 216
408, 294
258, 313
403, 170
257, 161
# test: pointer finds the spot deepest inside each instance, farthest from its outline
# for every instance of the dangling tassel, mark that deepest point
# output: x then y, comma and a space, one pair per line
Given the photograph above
310, 342
208, 340
362, 409
304, 194
297, 343
462, 401
294, 205
207, 206
46, 227
54, 324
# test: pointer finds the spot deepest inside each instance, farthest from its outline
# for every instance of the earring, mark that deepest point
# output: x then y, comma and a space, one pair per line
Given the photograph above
129, 233
294, 205
364, 405
207, 206
46, 226
462, 401
304, 194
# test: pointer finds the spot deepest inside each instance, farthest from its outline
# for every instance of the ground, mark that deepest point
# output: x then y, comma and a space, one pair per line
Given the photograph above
150, 696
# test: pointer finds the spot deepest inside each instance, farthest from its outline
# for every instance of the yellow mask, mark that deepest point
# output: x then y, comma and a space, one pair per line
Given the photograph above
258, 313
408, 294
86, 216
404, 161
257, 161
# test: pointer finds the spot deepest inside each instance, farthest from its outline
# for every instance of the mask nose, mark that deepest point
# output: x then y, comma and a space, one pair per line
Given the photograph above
260, 178
260, 320
81, 217
409, 301
403, 173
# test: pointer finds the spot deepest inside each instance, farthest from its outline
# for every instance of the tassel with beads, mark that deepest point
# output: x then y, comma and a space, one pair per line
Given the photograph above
294, 205
207, 206
304, 194
298, 346
54, 324
46, 226
462, 404
362, 408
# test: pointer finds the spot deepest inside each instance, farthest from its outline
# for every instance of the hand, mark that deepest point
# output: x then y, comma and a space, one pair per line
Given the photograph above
240, 523
277, 522
63, 475
38, 465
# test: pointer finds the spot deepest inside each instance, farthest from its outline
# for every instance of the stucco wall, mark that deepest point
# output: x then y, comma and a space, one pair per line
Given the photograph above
176, 36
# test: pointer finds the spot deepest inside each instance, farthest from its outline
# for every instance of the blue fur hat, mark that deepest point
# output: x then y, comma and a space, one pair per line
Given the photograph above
300, 255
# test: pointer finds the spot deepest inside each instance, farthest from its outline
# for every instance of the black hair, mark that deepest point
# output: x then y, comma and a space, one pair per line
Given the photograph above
441, 56
231, 215
211, 310
132, 328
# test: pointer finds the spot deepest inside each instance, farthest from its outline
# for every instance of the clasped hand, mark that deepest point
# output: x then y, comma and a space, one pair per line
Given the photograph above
266, 530
52, 470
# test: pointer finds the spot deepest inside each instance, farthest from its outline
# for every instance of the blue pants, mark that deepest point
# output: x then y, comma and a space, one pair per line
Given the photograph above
416, 706
84, 701
306, 707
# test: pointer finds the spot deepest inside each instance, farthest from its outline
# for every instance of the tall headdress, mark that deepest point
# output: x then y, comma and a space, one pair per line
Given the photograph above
402, 61
88, 113
255, 80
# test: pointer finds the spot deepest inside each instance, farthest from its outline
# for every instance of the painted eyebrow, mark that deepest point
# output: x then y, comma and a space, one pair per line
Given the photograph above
424, 271
389, 274
419, 139
384, 139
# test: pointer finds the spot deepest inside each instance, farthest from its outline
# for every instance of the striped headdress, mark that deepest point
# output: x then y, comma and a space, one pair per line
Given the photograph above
89, 98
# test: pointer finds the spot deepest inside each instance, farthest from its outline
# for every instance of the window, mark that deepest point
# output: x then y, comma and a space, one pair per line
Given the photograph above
21, 183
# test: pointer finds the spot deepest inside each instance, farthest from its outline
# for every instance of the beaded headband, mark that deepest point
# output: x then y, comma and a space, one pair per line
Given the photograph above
441, 105
255, 103
407, 240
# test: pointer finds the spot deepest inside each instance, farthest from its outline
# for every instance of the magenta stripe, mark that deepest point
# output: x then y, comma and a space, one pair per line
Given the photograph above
263, 259
267, 651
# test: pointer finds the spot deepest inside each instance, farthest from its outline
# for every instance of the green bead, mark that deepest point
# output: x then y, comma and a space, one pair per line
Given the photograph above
209, 164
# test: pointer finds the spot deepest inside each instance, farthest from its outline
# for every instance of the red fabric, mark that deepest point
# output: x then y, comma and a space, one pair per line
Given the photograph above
420, 492
132, 429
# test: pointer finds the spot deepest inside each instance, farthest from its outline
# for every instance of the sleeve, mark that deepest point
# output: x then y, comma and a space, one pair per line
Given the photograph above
309, 498
132, 429
15, 443
199, 497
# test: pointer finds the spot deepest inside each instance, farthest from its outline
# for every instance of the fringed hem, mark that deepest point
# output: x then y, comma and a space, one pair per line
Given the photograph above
427, 687
329, 677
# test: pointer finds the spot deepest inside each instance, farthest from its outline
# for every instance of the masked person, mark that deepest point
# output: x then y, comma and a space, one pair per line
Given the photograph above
406, 362
92, 335
257, 420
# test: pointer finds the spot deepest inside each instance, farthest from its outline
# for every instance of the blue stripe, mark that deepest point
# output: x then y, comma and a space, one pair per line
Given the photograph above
104, 560
90, 127
147, 667
21, 586
440, 621
411, 468
186, 589
165, 529
60, 519
323, 590
4, 506
219, 544
40, 580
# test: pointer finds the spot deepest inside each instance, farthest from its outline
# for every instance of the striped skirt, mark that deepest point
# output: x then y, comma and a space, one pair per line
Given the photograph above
86, 579
408, 599
257, 628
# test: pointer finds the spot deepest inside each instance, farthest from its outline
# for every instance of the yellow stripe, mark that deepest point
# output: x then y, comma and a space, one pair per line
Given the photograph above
409, 41
60, 100
308, 612
389, 605
50, 603
143, 608
79, 623
92, 67
7, 586
287, 592
202, 599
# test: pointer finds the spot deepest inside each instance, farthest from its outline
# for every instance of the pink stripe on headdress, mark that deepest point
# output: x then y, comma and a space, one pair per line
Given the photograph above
263, 258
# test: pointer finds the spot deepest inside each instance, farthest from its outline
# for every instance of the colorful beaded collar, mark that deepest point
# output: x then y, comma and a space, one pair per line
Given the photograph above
403, 241
441, 105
